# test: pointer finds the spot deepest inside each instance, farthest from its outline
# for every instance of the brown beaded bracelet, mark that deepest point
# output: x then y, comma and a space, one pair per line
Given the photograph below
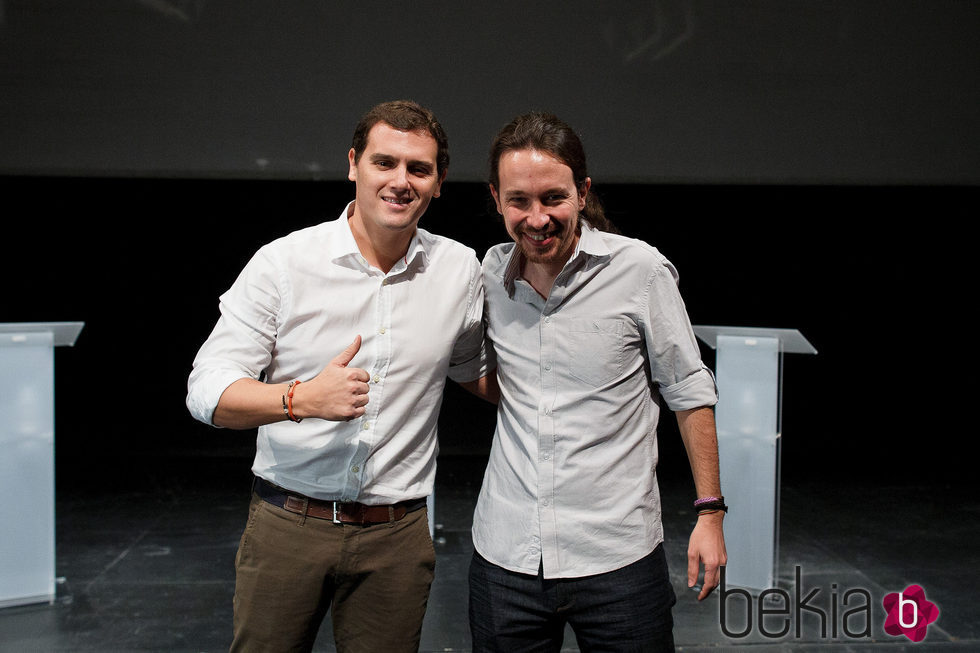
712, 506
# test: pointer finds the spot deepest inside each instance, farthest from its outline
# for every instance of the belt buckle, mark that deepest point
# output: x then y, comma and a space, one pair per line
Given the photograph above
335, 513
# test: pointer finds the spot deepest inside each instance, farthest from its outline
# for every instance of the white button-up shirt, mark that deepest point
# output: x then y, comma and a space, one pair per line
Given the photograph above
571, 481
298, 303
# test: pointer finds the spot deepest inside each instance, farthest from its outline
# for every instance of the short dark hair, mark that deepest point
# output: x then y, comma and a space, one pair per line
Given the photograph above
547, 133
405, 115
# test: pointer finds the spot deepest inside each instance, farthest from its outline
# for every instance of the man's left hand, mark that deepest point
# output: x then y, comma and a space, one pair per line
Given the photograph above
707, 546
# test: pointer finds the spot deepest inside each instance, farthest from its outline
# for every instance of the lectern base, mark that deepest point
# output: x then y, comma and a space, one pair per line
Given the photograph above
28, 600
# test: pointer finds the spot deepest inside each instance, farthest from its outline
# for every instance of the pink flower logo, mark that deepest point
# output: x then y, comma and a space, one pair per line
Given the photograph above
909, 613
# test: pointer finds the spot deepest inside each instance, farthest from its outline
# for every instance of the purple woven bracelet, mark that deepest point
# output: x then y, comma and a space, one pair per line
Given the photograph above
704, 500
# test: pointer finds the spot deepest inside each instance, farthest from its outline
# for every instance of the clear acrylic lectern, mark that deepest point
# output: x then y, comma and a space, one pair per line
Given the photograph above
27, 458
748, 369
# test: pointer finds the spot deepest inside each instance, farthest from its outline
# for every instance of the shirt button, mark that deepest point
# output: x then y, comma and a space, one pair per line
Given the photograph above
355, 469
381, 330
547, 366
547, 320
366, 426
377, 378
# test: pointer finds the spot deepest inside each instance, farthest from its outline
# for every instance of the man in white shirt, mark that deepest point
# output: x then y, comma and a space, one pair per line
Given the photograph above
335, 341
589, 330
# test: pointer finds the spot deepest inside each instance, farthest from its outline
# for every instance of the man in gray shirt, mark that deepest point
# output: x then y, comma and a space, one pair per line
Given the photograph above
589, 330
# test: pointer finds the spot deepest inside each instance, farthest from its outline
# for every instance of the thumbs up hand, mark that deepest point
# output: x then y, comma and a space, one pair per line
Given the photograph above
338, 392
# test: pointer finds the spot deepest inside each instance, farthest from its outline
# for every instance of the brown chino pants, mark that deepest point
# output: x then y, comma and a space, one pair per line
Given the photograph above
291, 569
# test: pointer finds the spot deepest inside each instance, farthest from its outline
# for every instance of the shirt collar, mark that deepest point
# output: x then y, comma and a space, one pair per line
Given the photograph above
344, 246
591, 243
591, 248
343, 249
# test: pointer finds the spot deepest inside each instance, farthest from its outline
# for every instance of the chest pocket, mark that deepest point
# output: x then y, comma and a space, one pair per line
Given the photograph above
595, 350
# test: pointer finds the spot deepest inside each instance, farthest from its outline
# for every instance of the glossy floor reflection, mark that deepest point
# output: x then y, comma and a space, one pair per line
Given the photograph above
152, 568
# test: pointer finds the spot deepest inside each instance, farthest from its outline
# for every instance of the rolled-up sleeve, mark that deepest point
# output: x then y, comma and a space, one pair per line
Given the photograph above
241, 343
676, 368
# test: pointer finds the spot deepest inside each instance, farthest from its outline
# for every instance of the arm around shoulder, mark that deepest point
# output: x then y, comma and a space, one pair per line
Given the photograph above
485, 387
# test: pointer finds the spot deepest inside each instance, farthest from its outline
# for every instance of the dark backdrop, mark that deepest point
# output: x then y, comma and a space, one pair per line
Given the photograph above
878, 278
690, 91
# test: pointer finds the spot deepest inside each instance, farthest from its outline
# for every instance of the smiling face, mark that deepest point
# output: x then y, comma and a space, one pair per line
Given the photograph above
396, 177
540, 203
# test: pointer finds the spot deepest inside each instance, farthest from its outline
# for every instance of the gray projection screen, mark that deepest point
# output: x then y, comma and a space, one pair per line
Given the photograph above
676, 91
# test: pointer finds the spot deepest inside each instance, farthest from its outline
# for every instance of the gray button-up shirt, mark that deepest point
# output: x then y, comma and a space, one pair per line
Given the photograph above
571, 480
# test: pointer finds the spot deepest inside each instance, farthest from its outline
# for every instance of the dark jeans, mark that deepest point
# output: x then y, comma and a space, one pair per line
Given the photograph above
626, 610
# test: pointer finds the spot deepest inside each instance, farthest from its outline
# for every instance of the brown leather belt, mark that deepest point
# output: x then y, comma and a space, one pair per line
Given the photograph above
339, 512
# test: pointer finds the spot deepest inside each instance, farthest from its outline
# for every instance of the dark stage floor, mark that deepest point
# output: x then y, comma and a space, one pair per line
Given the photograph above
152, 569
